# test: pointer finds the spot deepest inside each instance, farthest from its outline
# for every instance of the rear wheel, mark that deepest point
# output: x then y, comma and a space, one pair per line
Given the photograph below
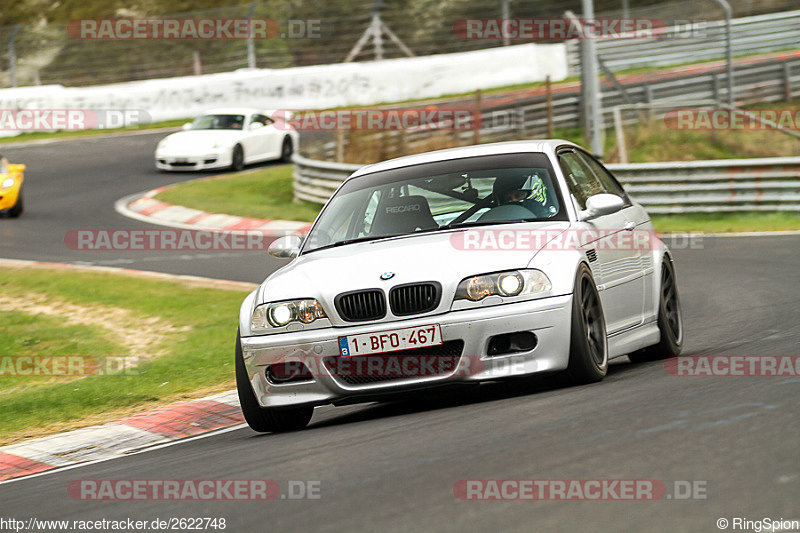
266, 419
16, 209
670, 321
287, 149
588, 349
237, 158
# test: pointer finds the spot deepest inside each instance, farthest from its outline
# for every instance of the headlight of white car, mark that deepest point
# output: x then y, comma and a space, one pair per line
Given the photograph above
506, 284
279, 314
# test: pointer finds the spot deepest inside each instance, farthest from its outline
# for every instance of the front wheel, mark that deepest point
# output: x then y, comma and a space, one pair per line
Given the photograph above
588, 349
287, 149
16, 209
670, 320
266, 419
237, 158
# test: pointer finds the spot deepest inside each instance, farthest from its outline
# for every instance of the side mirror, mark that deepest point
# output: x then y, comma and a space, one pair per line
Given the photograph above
187, 126
602, 204
285, 247
15, 168
256, 125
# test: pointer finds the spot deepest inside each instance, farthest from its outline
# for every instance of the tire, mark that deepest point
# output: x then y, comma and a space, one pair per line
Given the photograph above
670, 319
16, 210
287, 149
237, 158
266, 419
588, 347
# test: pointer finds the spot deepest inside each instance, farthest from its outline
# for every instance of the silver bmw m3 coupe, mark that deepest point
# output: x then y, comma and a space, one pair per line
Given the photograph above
464, 265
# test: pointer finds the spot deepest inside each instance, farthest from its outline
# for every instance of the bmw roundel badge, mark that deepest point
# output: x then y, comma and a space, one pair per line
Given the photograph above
387, 275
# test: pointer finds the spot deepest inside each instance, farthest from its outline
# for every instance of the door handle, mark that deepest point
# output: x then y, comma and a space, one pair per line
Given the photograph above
629, 226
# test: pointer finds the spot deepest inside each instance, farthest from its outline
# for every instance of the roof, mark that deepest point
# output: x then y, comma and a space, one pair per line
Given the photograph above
508, 147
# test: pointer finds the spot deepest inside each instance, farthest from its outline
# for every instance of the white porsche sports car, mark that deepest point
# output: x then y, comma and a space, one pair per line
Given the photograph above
457, 266
227, 138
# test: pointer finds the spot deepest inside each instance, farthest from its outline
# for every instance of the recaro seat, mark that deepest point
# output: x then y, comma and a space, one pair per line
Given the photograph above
403, 214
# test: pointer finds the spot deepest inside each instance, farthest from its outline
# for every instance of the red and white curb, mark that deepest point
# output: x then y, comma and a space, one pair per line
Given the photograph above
145, 207
121, 437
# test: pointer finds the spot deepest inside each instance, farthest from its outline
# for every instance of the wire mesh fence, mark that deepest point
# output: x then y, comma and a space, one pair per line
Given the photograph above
311, 33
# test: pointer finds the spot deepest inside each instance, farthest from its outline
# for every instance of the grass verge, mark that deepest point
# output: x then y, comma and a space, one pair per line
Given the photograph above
191, 329
264, 193
726, 222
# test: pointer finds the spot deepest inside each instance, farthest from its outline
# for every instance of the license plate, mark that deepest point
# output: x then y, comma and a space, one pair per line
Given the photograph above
181, 160
390, 341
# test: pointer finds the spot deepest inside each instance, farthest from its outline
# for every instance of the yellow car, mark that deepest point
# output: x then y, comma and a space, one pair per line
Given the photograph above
11, 178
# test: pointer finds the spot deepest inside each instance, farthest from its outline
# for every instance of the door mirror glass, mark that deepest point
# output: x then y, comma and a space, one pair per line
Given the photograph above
285, 247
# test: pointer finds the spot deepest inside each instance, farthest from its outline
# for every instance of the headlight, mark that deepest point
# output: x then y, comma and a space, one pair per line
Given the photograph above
511, 283
8, 183
276, 315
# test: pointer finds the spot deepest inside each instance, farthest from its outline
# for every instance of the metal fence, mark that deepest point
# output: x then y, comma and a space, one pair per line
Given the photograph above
45, 53
525, 116
696, 41
732, 185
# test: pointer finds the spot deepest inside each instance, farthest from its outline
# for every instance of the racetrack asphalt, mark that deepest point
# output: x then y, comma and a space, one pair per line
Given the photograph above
73, 185
393, 466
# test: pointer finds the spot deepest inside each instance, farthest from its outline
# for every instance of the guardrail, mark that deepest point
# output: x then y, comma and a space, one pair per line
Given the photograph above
698, 41
526, 117
726, 185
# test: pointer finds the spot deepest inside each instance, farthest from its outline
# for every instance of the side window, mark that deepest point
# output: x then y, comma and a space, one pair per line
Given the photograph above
581, 181
606, 179
262, 119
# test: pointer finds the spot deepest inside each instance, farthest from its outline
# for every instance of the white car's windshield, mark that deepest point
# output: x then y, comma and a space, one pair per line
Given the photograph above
218, 122
423, 198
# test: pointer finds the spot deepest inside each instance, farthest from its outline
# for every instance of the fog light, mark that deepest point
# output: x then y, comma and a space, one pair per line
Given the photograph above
520, 341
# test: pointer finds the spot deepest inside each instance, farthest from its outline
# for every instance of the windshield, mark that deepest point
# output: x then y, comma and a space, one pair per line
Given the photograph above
218, 122
472, 192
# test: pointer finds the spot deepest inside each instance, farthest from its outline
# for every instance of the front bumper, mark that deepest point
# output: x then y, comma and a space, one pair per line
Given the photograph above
548, 318
8, 197
192, 162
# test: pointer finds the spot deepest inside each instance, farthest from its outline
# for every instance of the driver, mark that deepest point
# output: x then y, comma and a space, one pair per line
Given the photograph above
529, 192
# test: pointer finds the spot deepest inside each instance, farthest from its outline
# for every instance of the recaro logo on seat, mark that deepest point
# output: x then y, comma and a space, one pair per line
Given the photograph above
403, 208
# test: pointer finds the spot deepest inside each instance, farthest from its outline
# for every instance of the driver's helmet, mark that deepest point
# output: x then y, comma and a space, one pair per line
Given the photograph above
520, 189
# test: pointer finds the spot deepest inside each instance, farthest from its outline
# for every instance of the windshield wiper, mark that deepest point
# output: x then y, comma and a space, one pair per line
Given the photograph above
427, 230
452, 225
353, 241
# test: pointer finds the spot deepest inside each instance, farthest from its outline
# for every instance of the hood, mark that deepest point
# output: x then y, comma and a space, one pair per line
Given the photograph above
428, 257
